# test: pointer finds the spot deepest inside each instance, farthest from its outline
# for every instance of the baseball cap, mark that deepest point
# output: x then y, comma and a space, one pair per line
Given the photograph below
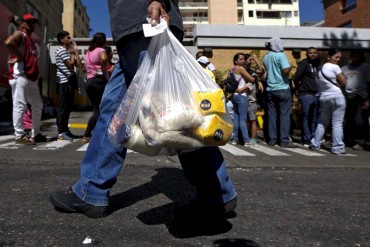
29, 17
203, 59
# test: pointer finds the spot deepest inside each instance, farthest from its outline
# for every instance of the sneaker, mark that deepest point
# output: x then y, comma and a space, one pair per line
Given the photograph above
69, 202
314, 147
85, 139
272, 144
288, 145
24, 140
249, 144
254, 141
358, 147
234, 142
39, 138
64, 137
306, 145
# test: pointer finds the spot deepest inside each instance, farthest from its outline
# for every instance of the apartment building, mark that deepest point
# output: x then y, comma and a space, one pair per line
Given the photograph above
347, 13
242, 12
75, 19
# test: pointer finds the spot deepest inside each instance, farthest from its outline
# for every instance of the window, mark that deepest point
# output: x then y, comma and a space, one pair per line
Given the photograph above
295, 13
286, 14
250, 13
347, 25
268, 14
250, 1
348, 5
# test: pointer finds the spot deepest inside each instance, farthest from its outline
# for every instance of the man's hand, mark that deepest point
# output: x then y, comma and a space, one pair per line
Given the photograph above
155, 11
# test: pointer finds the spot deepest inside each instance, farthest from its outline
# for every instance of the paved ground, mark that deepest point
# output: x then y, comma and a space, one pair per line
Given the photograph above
288, 200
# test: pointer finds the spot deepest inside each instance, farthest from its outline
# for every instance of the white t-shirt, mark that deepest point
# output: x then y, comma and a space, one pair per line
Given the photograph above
242, 83
326, 88
211, 67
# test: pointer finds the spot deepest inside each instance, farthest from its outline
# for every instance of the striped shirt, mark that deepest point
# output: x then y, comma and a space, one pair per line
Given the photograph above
61, 55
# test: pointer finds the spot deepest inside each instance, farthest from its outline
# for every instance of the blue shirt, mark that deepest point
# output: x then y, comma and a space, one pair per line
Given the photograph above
274, 63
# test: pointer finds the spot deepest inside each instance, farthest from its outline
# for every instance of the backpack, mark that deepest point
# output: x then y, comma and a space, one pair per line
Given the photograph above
230, 83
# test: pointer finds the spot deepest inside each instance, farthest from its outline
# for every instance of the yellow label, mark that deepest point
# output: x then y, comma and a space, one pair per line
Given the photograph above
210, 102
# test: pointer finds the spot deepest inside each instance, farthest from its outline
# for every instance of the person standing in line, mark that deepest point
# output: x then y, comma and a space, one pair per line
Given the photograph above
26, 73
210, 65
66, 58
110, 65
203, 61
96, 62
204, 168
307, 90
357, 73
279, 97
240, 100
332, 103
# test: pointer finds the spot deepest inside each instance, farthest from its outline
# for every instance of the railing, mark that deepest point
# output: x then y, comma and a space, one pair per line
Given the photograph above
195, 19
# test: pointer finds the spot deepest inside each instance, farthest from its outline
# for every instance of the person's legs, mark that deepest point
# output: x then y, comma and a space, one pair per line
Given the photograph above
337, 124
308, 111
272, 117
102, 161
323, 122
35, 100
285, 106
19, 90
205, 169
64, 107
240, 104
236, 101
94, 89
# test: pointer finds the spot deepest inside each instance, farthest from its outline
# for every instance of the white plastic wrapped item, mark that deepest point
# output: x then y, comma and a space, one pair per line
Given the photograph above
168, 100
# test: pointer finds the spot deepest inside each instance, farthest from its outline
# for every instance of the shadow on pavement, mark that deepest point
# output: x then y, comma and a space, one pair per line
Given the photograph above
170, 182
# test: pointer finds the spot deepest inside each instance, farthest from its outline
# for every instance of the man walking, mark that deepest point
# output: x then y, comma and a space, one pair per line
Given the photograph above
204, 168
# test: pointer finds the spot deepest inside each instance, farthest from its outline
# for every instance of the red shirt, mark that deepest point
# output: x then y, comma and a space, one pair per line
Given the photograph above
31, 67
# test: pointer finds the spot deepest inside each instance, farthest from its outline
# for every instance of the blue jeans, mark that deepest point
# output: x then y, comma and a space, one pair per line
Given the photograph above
310, 111
240, 105
332, 109
279, 104
204, 168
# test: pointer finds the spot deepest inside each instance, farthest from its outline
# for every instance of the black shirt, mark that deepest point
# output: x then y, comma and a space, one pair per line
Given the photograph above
305, 78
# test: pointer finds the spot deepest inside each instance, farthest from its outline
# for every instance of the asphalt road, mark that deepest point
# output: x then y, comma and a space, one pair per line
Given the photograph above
283, 200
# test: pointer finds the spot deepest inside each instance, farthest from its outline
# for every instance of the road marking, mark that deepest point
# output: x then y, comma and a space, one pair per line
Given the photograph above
54, 145
268, 151
236, 151
10, 145
304, 152
6, 138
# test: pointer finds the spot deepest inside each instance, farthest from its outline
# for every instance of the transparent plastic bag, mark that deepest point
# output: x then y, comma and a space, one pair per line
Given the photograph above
171, 105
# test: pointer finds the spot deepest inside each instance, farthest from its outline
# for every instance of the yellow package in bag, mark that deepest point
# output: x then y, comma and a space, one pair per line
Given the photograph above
213, 131
210, 101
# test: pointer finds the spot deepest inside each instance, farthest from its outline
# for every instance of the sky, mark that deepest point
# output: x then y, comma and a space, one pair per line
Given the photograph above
310, 10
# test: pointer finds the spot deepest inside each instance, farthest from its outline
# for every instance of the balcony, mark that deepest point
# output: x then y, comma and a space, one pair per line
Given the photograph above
195, 19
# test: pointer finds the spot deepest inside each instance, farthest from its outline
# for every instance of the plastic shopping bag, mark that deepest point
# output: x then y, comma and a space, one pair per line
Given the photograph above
171, 105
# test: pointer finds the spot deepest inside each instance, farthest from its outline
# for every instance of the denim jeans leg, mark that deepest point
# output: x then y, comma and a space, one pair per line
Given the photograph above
205, 169
308, 103
272, 117
240, 116
339, 103
103, 161
323, 121
285, 110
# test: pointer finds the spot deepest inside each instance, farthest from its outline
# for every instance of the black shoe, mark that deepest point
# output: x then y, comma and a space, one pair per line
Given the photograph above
73, 136
288, 145
69, 202
272, 144
40, 138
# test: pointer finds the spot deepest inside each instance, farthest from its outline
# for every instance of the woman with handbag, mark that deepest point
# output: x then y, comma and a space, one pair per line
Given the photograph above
96, 61
332, 103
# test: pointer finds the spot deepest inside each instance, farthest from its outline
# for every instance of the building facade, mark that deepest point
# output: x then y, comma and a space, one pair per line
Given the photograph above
242, 12
75, 19
347, 13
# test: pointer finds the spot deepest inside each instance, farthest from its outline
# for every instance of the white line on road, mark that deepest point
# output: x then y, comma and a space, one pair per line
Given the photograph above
10, 145
6, 138
236, 151
54, 145
268, 151
304, 152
